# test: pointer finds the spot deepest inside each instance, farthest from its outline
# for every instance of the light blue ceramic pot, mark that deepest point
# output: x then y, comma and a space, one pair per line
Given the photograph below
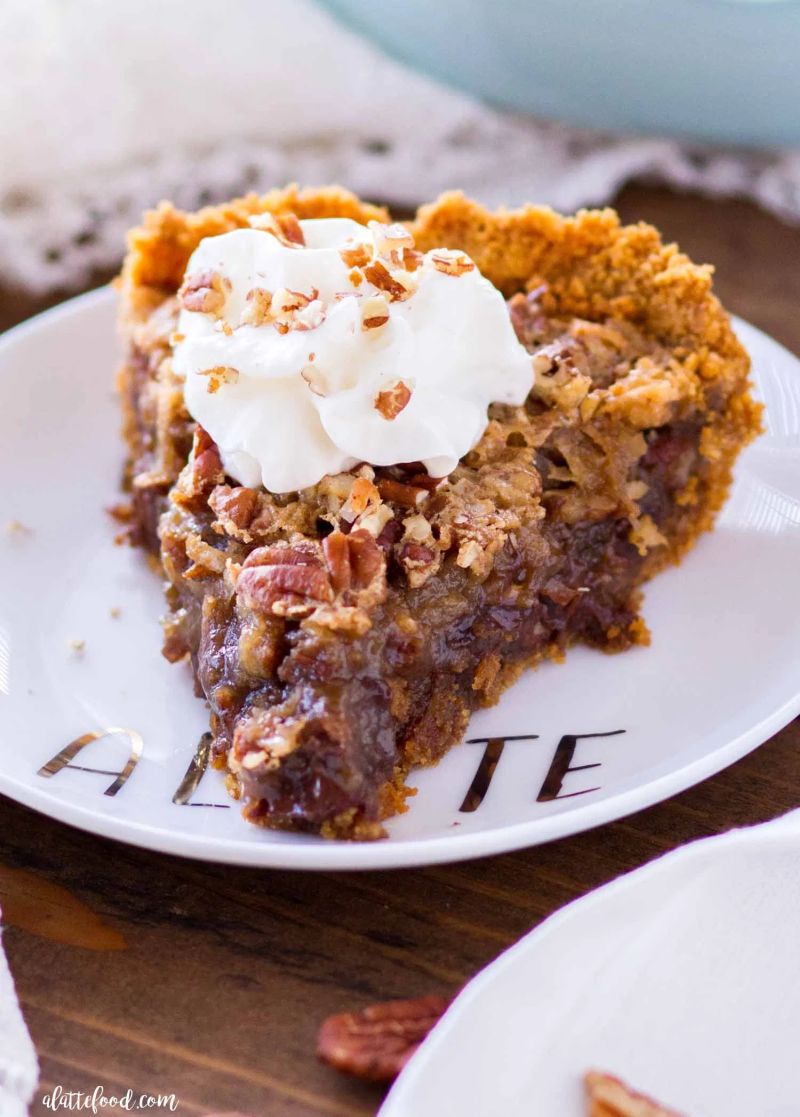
724, 70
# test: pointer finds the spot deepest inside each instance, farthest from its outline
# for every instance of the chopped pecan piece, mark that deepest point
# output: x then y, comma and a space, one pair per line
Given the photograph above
356, 257
451, 262
425, 481
391, 241
258, 310
283, 226
391, 401
611, 1097
398, 492
374, 312
418, 561
219, 375
205, 559
556, 379
204, 292
412, 259
377, 1043
380, 276
294, 310
363, 493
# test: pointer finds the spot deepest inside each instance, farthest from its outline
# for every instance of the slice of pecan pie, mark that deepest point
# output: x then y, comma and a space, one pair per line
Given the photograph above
342, 632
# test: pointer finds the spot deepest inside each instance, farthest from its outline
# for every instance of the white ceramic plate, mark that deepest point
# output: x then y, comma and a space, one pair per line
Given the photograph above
721, 676
683, 978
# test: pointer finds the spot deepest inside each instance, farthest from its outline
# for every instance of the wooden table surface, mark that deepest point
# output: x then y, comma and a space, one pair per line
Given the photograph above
167, 976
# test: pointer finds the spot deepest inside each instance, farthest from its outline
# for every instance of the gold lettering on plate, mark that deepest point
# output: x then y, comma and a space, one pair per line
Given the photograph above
64, 758
486, 769
194, 773
561, 764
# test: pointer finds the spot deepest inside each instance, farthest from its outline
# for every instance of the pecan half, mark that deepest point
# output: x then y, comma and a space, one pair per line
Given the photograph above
354, 561
377, 1043
234, 509
393, 400
285, 579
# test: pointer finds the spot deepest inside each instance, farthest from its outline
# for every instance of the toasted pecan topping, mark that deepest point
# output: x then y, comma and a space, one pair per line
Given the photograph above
398, 492
205, 559
411, 259
356, 276
362, 494
451, 262
376, 1043
425, 481
294, 310
391, 240
283, 226
380, 276
204, 293
357, 256
219, 375
391, 401
374, 312
258, 308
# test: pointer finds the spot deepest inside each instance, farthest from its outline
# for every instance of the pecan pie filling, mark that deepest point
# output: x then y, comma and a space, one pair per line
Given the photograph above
343, 633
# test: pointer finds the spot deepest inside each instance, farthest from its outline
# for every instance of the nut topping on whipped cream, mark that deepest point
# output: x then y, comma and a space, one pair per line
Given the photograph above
307, 347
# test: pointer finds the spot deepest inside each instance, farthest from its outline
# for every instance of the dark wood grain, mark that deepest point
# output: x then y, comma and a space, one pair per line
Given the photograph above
226, 973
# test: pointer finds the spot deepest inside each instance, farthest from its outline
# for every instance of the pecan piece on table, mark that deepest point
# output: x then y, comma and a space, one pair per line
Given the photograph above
607, 1096
376, 1043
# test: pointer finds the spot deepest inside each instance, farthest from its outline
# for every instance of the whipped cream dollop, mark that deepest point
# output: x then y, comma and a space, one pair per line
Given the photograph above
307, 347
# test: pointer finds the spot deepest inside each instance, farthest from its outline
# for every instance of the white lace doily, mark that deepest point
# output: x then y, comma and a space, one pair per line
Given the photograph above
101, 117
